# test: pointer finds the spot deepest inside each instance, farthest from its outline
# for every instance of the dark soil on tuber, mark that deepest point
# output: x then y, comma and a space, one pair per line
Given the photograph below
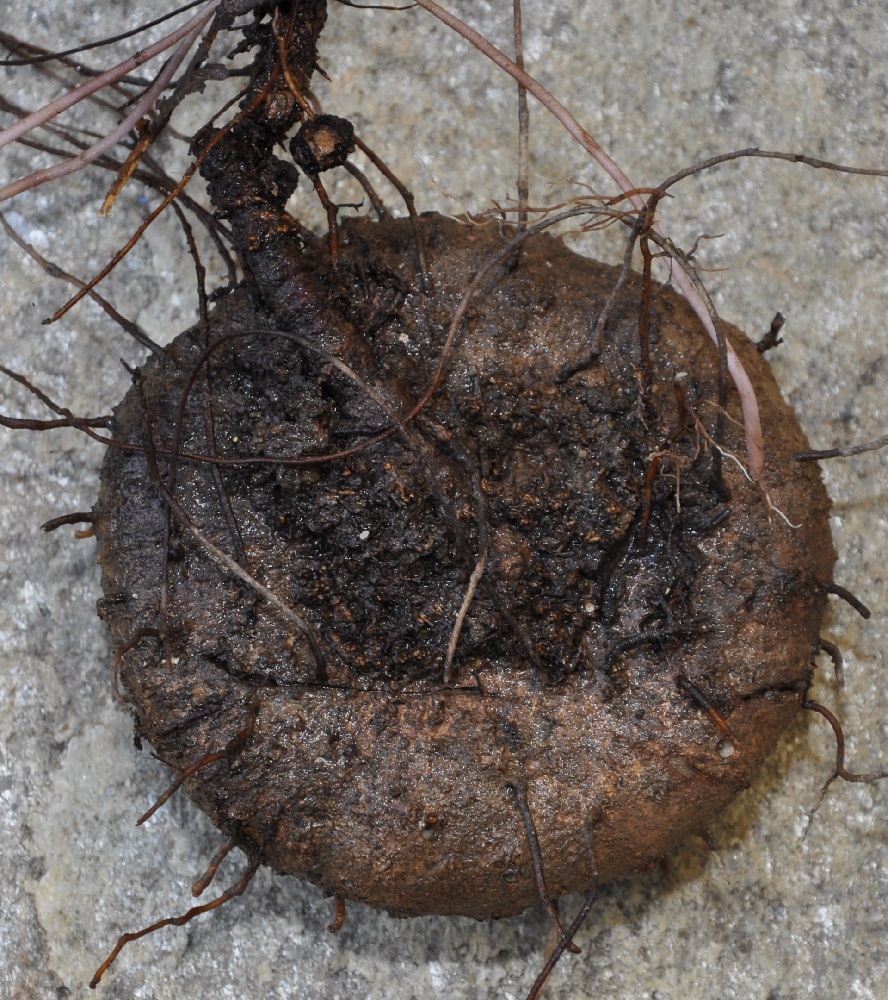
636, 641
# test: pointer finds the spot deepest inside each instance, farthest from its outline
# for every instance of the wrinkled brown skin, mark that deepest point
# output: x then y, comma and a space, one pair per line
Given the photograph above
365, 773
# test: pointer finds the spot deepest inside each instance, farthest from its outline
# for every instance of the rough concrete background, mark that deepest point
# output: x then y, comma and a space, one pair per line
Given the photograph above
661, 84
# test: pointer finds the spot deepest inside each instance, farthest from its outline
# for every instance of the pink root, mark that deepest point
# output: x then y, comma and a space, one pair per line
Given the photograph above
140, 109
112, 75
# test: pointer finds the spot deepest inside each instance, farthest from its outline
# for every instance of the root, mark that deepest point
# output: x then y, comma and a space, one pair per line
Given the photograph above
149, 172
483, 528
847, 597
332, 211
54, 271
43, 57
371, 192
856, 449
868, 778
203, 307
471, 590
226, 562
697, 696
523, 125
338, 922
174, 193
184, 36
681, 425
630, 642
231, 893
75, 96
284, 39
769, 154
78, 517
410, 203
841, 771
67, 418
712, 848
835, 654
683, 276
233, 746
568, 936
200, 884
643, 226
721, 451
625, 271
520, 790
163, 113
143, 633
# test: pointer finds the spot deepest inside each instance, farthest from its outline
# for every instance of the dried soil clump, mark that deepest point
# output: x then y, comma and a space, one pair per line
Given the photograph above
612, 606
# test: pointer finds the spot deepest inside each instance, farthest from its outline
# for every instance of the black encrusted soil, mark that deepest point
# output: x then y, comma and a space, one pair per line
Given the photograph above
578, 669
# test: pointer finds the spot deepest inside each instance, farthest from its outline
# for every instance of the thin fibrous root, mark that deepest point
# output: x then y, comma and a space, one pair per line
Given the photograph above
174, 192
856, 449
44, 56
520, 790
230, 893
230, 747
834, 588
696, 695
56, 107
68, 419
54, 271
684, 280
469, 596
337, 923
185, 36
568, 936
200, 884
867, 778
77, 517
835, 654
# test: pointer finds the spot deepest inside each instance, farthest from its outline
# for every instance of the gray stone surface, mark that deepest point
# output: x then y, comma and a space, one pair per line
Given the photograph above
661, 84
